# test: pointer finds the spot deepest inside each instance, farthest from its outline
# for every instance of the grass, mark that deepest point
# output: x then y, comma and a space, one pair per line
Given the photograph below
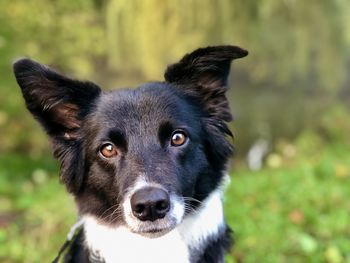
296, 212
35, 211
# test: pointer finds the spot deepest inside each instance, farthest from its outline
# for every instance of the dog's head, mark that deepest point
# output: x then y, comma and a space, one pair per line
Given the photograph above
144, 157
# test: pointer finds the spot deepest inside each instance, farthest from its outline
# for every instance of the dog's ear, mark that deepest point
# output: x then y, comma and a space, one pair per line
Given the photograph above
203, 76
60, 105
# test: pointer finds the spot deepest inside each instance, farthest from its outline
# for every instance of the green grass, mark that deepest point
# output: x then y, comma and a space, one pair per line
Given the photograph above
298, 212
35, 211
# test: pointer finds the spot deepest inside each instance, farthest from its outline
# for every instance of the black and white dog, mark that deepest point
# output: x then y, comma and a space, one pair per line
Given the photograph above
146, 166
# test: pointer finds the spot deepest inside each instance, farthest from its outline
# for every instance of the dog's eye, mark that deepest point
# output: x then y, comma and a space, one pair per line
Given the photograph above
108, 150
178, 138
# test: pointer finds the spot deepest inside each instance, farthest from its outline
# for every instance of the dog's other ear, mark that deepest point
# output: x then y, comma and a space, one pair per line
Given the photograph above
203, 74
60, 105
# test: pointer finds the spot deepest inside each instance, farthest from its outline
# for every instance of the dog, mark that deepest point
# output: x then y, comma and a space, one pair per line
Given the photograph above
145, 166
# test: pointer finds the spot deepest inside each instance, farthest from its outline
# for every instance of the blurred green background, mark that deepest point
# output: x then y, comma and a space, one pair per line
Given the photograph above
289, 199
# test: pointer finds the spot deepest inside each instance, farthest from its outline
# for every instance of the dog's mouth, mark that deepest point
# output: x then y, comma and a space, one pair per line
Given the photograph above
153, 232
154, 229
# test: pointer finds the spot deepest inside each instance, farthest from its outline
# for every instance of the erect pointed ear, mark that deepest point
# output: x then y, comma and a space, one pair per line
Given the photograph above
59, 103
203, 74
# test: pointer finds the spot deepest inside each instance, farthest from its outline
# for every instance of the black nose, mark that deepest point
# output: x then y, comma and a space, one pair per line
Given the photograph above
150, 203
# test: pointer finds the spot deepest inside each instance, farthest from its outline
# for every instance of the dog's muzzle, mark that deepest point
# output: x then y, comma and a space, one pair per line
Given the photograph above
150, 203
151, 210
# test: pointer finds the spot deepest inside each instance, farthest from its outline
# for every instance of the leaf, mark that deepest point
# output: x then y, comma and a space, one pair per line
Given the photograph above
308, 243
333, 255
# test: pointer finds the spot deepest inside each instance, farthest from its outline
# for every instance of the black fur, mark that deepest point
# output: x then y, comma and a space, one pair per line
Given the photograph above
79, 118
215, 250
60, 104
77, 251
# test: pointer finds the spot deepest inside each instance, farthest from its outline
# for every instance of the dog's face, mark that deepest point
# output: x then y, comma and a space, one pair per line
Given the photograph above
142, 158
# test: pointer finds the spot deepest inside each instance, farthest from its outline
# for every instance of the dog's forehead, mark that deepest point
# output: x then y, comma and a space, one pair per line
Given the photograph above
148, 104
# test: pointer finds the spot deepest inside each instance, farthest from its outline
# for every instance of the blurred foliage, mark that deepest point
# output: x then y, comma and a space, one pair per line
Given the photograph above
35, 212
290, 41
292, 90
66, 33
298, 211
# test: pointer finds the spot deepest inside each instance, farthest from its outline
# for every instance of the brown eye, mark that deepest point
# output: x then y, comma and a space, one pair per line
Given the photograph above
108, 150
178, 138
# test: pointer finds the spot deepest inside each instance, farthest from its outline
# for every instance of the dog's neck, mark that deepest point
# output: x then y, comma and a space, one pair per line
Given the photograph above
181, 245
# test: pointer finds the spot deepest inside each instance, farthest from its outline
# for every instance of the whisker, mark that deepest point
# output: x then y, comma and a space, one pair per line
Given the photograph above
189, 209
116, 217
186, 198
107, 210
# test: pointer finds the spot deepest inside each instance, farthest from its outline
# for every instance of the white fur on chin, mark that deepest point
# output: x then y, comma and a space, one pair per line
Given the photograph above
119, 244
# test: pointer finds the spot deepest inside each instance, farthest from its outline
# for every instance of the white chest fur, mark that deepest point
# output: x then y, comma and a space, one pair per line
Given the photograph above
121, 245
